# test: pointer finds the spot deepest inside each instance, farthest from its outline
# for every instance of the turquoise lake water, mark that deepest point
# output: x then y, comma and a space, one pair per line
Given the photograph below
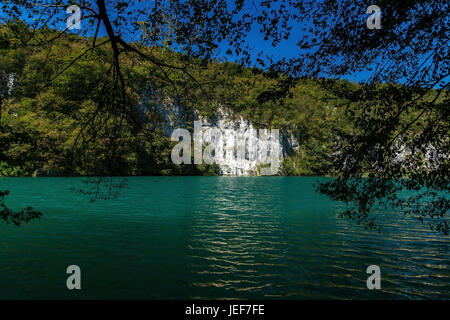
211, 238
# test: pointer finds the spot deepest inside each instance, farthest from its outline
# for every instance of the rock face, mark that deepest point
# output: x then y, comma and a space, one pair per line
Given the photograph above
233, 128
45, 173
235, 131
7, 83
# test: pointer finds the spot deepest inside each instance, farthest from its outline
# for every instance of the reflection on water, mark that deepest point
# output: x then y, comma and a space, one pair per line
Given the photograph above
212, 237
236, 245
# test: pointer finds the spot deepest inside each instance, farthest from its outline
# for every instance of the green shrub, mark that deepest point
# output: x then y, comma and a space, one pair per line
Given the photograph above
6, 170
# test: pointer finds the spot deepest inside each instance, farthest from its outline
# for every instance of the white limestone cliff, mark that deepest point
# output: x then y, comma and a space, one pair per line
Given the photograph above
233, 127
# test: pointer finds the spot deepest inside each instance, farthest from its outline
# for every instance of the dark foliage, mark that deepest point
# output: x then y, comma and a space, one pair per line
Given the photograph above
19, 217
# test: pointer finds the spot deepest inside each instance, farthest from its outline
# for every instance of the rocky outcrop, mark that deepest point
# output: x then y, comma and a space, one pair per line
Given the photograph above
232, 127
45, 173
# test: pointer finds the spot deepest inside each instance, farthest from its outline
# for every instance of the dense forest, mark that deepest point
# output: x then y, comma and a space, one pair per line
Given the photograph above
51, 96
40, 123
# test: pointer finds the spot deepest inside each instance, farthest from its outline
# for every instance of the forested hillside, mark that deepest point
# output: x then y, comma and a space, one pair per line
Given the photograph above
50, 121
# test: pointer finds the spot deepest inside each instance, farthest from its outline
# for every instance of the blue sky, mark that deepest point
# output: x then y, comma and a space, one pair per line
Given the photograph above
285, 49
